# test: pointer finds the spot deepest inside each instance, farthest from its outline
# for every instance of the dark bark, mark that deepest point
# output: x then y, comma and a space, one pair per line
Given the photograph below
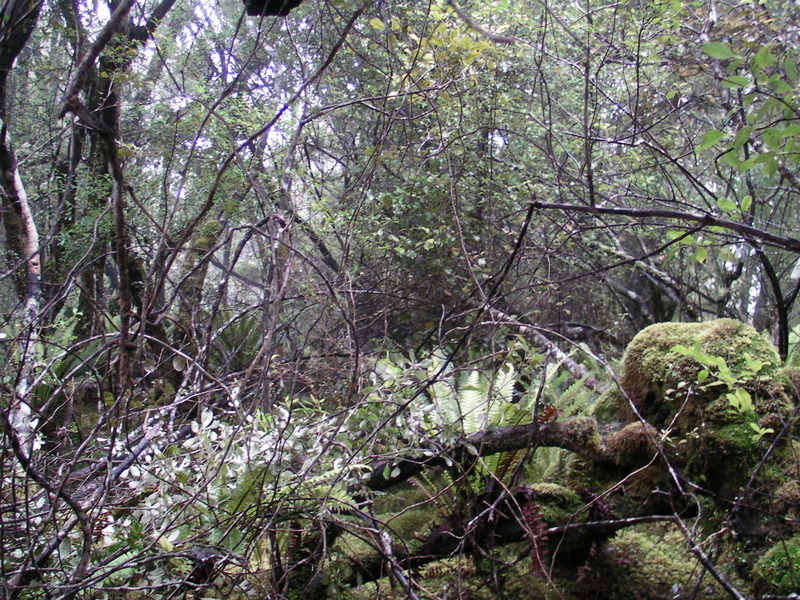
103, 120
18, 18
273, 8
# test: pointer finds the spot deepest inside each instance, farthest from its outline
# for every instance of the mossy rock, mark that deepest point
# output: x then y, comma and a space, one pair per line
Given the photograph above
708, 440
787, 502
778, 571
651, 368
408, 529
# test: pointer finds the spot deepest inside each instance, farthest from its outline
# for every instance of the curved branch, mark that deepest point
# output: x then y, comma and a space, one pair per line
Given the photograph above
706, 220
580, 435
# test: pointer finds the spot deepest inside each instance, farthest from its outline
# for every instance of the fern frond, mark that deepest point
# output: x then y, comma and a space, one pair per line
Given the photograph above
438, 494
507, 462
472, 400
338, 498
502, 392
443, 391
504, 381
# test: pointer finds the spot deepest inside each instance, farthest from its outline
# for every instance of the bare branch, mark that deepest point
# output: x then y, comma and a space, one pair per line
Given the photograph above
706, 220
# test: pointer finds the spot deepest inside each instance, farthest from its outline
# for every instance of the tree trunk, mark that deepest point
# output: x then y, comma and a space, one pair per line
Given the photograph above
19, 18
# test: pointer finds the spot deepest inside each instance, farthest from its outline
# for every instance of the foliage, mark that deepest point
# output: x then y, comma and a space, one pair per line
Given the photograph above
740, 400
253, 266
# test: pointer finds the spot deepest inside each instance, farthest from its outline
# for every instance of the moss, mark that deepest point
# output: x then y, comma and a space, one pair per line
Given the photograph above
708, 440
411, 526
585, 434
559, 504
792, 381
789, 492
400, 498
522, 585
650, 367
408, 528
633, 444
612, 408
650, 562
788, 502
734, 439
551, 491
778, 571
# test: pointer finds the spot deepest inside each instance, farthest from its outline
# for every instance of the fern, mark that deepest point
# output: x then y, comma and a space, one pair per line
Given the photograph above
507, 462
437, 493
501, 409
443, 392
473, 402
504, 382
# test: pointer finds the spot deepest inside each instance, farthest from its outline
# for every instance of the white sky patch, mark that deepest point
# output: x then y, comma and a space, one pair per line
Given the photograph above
497, 139
179, 102
203, 143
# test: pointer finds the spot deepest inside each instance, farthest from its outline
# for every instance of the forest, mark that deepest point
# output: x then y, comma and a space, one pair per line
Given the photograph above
397, 299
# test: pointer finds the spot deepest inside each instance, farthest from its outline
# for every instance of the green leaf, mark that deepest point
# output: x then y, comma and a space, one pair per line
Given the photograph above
728, 206
736, 81
701, 255
732, 159
792, 130
675, 234
681, 349
770, 164
376, 23
741, 401
759, 431
773, 138
753, 364
742, 136
778, 85
710, 137
718, 50
747, 201
791, 69
763, 59
750, 163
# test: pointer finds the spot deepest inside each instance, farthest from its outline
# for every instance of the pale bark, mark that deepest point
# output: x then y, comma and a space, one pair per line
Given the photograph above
20, 18
20, 415
540, 340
